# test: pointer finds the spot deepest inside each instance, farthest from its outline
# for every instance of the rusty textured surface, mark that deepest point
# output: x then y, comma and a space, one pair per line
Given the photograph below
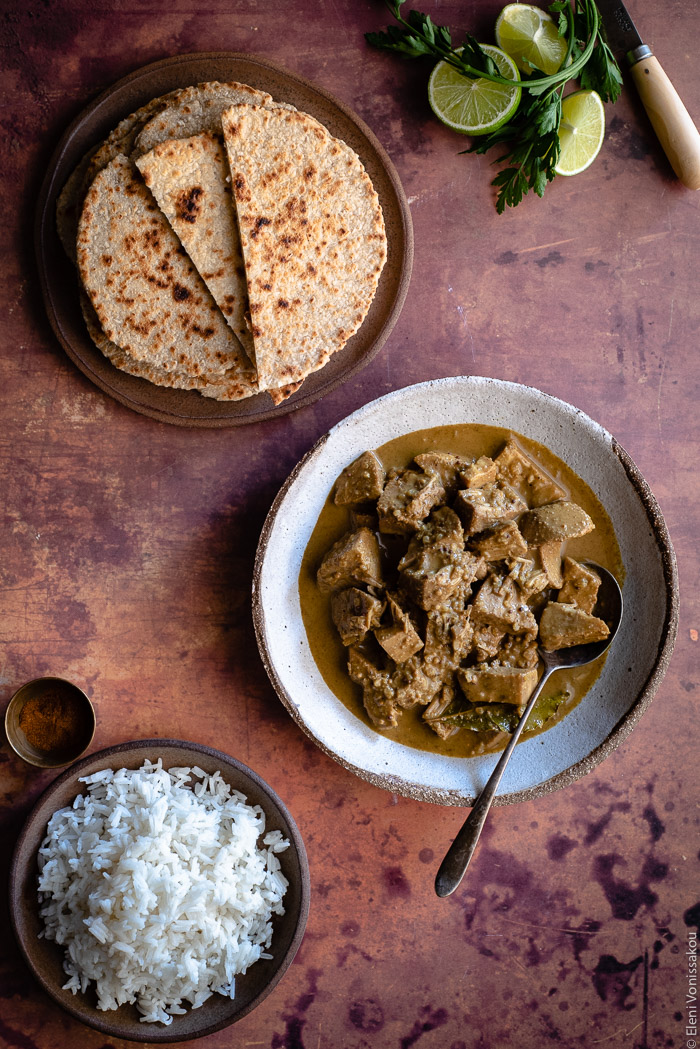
128, 550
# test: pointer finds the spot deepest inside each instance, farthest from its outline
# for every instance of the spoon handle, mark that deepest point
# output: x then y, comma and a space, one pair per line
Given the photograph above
461, 850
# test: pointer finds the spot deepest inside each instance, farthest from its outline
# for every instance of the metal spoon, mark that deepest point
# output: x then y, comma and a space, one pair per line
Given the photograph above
609, 608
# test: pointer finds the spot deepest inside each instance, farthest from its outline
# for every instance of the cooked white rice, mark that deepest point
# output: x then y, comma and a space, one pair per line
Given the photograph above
154, 884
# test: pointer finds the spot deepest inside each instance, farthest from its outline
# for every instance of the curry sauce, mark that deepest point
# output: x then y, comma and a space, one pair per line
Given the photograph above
475, 443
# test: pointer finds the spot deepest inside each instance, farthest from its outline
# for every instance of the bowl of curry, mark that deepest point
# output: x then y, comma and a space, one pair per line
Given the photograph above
419, 554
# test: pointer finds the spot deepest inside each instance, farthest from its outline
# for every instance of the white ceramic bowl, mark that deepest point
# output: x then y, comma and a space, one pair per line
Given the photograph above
637, 659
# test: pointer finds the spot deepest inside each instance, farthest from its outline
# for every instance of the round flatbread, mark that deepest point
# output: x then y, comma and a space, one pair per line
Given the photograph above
315, 252
72, 196
68, 206
312, 234
122, 139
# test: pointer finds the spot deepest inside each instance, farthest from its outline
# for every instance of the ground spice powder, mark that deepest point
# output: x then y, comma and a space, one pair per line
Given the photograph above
51, 722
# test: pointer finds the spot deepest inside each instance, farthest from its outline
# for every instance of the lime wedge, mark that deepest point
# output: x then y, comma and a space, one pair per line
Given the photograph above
581, 131
531, 38
478, 106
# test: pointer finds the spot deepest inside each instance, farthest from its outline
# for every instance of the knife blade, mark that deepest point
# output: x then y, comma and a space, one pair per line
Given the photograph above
621, 31
670, 119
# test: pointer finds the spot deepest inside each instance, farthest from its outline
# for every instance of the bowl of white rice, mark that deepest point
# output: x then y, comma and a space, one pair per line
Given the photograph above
159, 890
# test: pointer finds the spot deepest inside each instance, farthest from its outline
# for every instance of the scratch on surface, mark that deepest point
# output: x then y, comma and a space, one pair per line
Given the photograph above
552, 928
156, 472
652, 236
658, 397
440, 191
670, 318
541, 247
25, 586
598, 1041
465, 324
518, 963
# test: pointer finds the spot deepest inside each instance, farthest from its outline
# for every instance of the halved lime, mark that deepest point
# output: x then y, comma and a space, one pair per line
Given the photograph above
531, 38
581, 131
478, 106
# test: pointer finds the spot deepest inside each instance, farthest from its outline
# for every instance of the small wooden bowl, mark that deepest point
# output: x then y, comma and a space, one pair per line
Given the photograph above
41, 692
45, 957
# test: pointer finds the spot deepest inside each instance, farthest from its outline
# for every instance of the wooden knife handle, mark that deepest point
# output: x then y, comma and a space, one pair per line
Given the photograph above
670, 119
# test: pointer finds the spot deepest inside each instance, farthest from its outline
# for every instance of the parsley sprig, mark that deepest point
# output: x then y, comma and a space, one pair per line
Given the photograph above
532, 135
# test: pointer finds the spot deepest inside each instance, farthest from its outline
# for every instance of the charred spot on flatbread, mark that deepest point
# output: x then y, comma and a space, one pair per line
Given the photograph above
188, 204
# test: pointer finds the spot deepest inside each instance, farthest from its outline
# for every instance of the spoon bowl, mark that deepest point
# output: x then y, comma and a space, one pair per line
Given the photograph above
609, 609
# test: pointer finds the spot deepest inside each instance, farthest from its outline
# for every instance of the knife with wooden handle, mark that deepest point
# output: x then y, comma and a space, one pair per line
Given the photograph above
670, 119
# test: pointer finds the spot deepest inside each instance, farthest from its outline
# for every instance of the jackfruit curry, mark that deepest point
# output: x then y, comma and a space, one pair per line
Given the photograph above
438, 565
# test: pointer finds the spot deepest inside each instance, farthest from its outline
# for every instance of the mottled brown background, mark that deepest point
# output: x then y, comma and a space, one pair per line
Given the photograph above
128, 545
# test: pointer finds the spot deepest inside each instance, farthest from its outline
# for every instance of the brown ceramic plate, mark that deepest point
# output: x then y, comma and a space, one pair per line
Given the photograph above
44, 958
59, 282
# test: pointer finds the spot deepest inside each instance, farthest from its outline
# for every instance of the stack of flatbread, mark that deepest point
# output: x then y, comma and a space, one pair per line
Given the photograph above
225, 242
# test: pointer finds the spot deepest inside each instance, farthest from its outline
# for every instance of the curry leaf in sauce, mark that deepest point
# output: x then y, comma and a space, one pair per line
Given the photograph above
499, 717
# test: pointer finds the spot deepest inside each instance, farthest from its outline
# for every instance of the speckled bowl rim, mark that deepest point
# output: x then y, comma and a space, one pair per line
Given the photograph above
110, 1023
626, 723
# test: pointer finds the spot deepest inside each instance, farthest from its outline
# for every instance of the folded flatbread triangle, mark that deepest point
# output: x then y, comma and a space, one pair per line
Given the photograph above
312, 235
191, 182
148, 296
